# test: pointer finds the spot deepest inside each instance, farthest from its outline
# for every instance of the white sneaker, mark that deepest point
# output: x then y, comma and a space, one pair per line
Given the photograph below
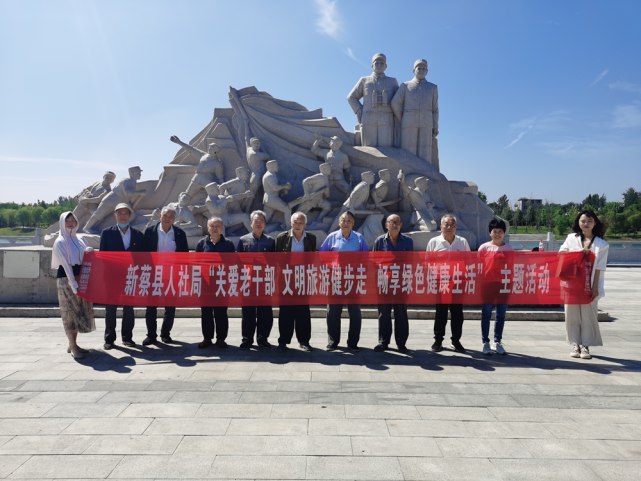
576, 352
497, 347
585, 353
486, 349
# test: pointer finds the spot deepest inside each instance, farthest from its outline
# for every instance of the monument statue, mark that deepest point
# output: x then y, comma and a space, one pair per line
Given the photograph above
337, 159
423, 215
90, 198
415, 106
238, 185
256, 161
125, 192
210, 168
184, 218
374, 114
316, 194
271, 200
356, 203
380, 190
218, 205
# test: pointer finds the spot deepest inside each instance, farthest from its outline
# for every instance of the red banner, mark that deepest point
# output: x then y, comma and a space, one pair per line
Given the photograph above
316, 278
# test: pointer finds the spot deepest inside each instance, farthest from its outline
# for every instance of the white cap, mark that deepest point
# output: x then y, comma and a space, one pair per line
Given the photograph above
123, 205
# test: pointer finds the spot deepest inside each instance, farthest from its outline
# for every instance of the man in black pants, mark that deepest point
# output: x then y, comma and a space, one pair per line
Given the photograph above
163, 237
256, 319
119, 238
448, 241
295, 240
214, 242
396, 242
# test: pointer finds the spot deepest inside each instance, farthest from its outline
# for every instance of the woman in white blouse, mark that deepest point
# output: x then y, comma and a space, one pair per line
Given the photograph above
581, 323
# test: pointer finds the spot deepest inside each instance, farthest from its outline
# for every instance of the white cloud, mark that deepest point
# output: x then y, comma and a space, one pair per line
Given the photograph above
599, 77
518, 138
329, 21
551, 121
627, 116
625, 86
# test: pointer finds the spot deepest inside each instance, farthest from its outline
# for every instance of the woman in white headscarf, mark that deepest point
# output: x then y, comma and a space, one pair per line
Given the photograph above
68, 251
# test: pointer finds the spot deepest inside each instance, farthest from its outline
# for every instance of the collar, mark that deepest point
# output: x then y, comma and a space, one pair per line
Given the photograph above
352, 234
378, 76
258, 238
387, 237
222, 239
160, 229
453, 242
291, 233
415, 80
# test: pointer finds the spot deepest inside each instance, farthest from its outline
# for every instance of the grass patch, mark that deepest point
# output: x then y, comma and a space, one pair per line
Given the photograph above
17, 231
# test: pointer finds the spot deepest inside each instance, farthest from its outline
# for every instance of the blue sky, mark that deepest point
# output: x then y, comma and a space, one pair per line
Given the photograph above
538, 99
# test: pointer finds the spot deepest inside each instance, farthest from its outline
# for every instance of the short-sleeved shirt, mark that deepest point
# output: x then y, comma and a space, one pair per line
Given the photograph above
336, 242
384, 243
440, 244
251, 243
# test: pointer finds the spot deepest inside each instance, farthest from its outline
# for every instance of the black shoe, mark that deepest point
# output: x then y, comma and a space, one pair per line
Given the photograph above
331, 347
381, 347
129, 343
205, 344
282, 347
221, 344
402, 349
245, 345
148, 341
354, 348
166, 339
108, 345
264, 343
457, 346
437, 346
305, 347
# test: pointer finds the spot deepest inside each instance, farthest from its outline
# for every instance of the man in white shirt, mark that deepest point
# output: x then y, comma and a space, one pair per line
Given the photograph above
448, 241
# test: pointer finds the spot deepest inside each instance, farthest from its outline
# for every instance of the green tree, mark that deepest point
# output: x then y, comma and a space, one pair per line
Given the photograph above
37, 213
634, 221
530, 216
517, 218
482, 196
631, 197
10, 217
561, 224
50, 216
24, 216
503, 202
594, 201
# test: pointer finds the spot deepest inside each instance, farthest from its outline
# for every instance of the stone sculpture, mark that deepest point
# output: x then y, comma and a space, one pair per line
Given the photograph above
90, 198
415, 106
271, 200
423, 217
238, 185
375, 114
218, 205
356, 203
184, 217
126, 191
256, 161
337, 159
316, 194
380, 190
210, 168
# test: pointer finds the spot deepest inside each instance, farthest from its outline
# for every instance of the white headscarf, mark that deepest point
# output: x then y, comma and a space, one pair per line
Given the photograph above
68, 250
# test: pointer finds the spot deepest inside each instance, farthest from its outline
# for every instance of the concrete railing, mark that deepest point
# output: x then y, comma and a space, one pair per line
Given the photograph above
8, 241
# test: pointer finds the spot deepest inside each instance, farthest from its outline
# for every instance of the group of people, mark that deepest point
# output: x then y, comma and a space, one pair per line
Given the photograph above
77, 314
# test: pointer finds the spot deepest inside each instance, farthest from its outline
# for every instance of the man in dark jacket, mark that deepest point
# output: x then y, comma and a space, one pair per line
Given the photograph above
119, 238
295, 240
214, 242
256, 319
163, 237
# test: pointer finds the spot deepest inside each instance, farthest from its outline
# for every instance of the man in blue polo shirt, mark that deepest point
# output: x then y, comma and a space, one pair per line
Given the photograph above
393, 241
344, 240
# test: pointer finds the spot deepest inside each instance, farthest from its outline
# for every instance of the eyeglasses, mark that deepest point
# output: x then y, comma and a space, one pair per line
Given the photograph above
393, 222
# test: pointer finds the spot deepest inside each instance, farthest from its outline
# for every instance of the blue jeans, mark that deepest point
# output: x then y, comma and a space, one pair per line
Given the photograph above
486, 314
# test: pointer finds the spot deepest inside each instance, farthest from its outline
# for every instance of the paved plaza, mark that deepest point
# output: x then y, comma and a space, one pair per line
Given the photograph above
176, 412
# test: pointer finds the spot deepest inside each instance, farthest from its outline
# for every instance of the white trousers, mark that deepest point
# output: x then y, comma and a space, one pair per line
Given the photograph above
582, 325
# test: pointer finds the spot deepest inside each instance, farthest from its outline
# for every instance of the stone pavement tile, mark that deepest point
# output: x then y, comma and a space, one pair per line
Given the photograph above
214, 445
157, 410
570, 449
531, 414
62, 397
35, 426
205, 397
38, 376
342, 398
307, 411
375, 387
412, 399
112, 386
86, 410
550, 470
612, 402
108, 426
137, 397
10, 397
348, 427
235, 411
163, 467
353, 468
47, 445
220, 376
381, 412
8, 464
562, 402
202, 364
395, 446
281, 376
128, 444
616, 470
161, 375
447, 469
447, 413
310, 366
187, 426
258, 467
67, 467
39, 386
595, 431
507, 430
274, 398
5, 439
453, 429
341, 376
307, 446
267, 427
171, 385
244, 386
619, 416
480, 400
87, 375
482, 448
629, 450
294, 386
25, 410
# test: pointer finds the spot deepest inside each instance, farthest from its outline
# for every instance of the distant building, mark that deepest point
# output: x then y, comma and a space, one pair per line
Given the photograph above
524, 204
